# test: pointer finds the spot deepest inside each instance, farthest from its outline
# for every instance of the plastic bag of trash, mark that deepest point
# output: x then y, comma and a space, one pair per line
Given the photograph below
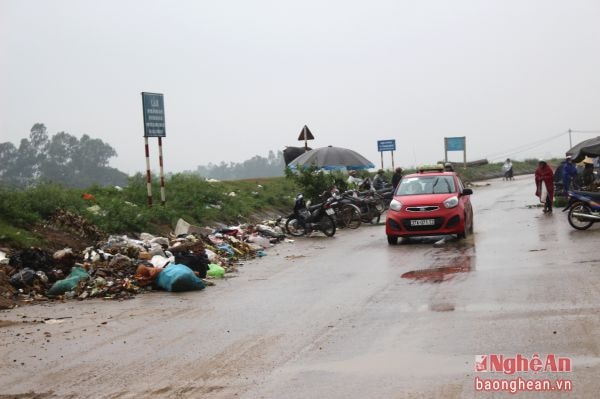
259, 240
160, 261
269, 231
177, 278
196, 262
24, 278
215, 271
70, 283
226, 248
212, 257
3, 259
146, 275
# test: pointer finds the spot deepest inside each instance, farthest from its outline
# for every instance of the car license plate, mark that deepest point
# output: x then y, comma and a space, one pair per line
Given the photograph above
329, 211
422, 222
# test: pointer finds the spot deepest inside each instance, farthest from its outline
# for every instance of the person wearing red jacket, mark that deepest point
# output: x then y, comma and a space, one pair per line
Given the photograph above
544, 185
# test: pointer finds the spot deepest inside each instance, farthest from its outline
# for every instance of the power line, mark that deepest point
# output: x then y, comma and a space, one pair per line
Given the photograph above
525, 147
580, 131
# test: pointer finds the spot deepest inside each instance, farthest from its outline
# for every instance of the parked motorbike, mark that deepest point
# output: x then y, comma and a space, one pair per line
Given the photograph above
385, 195
307, 218
346, 213
371, 204
583, 208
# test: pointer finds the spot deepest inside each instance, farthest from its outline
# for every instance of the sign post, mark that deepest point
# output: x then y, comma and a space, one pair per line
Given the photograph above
154, 126
386, 145
456, 144
305, 135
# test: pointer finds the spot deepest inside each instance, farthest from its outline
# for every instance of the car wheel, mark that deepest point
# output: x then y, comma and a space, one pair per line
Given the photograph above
465, 233
392, 240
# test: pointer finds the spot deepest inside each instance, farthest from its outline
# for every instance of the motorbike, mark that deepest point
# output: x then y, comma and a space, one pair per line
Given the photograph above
307, 218
346, 213
385, 195
583, 208
370, 203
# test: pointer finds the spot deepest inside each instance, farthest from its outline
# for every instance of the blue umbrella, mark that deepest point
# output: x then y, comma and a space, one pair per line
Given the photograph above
332, 158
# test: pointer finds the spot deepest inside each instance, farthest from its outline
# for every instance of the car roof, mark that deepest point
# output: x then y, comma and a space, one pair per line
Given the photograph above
431, 174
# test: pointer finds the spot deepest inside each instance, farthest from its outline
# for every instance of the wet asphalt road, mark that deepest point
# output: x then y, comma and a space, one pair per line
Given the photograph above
348, 317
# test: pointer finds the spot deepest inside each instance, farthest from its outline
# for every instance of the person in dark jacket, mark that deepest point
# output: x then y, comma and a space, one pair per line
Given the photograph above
378, 181
569, 172
396, 178
588, 173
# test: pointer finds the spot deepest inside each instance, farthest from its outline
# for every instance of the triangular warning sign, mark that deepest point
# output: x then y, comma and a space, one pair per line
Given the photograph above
305, 134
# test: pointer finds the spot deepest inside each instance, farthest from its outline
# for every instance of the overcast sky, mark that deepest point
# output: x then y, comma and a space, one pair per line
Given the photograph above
241, 78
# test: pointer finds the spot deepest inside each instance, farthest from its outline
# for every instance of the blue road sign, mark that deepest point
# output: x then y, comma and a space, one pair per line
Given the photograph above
455, 143
154, 115
386, 145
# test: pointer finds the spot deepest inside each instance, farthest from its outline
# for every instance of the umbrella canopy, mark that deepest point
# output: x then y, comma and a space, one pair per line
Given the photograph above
332, 158
589, 148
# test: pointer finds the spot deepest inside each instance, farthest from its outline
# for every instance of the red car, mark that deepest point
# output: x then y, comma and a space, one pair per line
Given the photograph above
429, 203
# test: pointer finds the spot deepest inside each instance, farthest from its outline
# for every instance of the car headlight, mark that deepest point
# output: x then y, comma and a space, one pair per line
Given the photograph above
395, 205
451, 202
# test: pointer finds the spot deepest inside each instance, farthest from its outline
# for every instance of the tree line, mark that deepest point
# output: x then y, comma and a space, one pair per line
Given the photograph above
61, 158
271, 166
82, 162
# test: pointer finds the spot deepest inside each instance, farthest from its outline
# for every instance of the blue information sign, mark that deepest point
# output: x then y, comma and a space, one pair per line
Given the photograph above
154, 115
455, 143
386, 145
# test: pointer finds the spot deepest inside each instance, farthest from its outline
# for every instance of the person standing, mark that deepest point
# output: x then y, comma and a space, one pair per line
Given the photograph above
569, 172
353, 179
544, 183
378, 181
396, 178
507, 169
588, 172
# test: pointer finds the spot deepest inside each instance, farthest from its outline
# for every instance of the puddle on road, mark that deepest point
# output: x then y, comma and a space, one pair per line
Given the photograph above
453, 266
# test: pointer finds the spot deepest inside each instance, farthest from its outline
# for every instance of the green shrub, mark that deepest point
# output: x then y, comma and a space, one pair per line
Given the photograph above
312, 181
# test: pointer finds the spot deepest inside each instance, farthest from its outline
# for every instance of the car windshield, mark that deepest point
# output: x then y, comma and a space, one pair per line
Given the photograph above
419, 185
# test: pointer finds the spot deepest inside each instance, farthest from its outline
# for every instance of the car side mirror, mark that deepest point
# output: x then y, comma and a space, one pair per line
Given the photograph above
467, 191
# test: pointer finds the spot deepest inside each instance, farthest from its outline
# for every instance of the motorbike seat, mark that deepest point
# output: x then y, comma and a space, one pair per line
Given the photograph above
590, 194
314, 207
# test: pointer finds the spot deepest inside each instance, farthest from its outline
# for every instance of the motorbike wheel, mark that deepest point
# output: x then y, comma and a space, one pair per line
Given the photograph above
327, 225
294, 227
375, 212
577, 222
370, 214
350, 216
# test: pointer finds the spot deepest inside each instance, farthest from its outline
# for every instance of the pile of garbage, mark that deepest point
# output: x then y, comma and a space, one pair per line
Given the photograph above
121, 267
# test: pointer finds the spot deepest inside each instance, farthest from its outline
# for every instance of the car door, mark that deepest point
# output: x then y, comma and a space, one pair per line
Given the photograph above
466, 202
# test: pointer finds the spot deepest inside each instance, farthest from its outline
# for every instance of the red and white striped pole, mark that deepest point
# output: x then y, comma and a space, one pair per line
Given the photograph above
162, 174
148, 174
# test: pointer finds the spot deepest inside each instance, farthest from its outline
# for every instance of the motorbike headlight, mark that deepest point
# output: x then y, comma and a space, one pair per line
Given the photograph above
451, 202
395, 205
